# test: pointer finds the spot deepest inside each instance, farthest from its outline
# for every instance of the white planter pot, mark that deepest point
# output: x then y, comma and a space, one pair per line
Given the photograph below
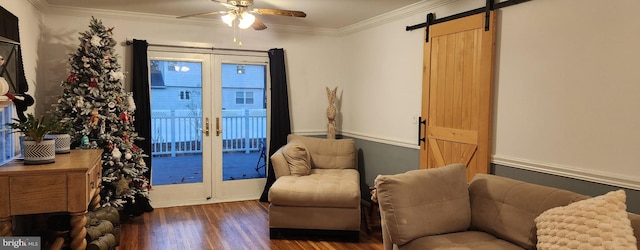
63, 142
39, 152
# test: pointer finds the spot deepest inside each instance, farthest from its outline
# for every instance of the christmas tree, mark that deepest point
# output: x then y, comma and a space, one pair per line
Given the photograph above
102, 114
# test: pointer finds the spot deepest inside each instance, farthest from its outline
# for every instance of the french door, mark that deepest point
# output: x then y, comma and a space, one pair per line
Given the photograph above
181, 108
209, 118
241, 126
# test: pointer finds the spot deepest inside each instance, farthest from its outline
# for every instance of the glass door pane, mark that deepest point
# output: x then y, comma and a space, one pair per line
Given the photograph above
176, 114
244, 119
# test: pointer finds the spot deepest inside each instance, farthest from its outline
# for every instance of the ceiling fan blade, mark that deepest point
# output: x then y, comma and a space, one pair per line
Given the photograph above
292, 13
258, 25
204, 14
230, 6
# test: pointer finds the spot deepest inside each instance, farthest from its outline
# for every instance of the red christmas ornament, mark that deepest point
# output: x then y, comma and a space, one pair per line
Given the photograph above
93, 82
134, 148
72, 79
124, 116
125, 137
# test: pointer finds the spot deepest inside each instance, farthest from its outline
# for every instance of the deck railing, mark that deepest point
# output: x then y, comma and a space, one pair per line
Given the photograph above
179, 132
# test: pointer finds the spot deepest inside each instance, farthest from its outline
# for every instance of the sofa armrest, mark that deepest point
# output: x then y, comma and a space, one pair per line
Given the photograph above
279, 164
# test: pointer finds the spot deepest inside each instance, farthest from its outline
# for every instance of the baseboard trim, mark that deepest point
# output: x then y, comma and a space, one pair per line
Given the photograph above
567, 171
161, 204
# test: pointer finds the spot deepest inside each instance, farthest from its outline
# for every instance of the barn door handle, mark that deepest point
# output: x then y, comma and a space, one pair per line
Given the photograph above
420, 124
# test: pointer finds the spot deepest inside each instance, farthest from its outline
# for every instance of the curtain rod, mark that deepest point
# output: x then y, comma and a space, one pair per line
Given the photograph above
129, 42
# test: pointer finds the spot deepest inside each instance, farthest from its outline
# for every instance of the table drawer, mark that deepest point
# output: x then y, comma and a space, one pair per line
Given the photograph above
38, 194
95, 178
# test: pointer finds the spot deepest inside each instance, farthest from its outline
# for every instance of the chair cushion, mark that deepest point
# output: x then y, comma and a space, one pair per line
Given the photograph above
297, 157
593, 223
424, 202
321, 188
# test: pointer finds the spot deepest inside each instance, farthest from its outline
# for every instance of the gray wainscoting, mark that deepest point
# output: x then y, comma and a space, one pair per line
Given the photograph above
376, 158
379, 158
575, 185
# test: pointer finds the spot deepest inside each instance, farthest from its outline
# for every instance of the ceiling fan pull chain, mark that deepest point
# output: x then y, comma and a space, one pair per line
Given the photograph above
234, 32
238, 39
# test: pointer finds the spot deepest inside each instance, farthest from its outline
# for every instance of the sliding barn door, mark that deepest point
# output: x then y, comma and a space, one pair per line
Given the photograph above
457, 94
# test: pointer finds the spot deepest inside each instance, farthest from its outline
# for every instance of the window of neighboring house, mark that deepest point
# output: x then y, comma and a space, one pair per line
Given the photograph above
185, 95
244, 97
157, 80
248, 98
6, 136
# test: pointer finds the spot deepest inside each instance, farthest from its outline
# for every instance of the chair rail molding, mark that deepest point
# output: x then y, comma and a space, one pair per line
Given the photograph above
568, 171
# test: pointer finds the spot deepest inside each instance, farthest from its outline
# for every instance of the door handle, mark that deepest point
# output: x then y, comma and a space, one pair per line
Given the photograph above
206, 126
420, 123
218, 129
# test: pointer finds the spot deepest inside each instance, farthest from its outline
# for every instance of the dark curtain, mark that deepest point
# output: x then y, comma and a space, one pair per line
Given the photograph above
140, 82
280, 120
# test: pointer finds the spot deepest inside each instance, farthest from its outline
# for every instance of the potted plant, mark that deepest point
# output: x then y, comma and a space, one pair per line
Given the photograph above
37, 149
60, 129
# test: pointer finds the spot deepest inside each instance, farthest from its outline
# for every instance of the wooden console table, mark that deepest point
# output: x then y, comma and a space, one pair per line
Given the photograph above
71, 184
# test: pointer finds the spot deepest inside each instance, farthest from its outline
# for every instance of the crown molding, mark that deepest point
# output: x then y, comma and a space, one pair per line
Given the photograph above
409, 10
49, 9
413, 9
40, 5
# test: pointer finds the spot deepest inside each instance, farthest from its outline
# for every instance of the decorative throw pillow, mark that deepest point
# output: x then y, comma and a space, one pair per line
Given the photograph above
596, 223
298, 158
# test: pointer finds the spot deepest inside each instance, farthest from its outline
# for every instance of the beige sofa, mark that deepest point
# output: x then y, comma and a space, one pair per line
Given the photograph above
322, 199
437, 209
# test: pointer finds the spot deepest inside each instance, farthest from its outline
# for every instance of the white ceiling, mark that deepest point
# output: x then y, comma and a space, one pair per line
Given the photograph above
330, 14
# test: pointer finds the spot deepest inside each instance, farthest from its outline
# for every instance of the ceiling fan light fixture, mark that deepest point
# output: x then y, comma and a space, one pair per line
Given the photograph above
228, 19
246, 20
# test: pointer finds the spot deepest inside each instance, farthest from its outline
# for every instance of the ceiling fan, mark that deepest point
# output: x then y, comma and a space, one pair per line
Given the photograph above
241, 11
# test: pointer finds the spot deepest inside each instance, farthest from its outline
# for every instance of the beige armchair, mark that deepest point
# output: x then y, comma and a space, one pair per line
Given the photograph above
317, 188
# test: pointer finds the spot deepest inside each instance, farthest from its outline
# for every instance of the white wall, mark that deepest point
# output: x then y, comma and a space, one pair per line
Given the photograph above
30, 31
567, 86
383, 77
311, 57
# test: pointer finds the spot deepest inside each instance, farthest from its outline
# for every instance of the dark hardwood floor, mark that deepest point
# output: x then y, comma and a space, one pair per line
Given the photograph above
231, 225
